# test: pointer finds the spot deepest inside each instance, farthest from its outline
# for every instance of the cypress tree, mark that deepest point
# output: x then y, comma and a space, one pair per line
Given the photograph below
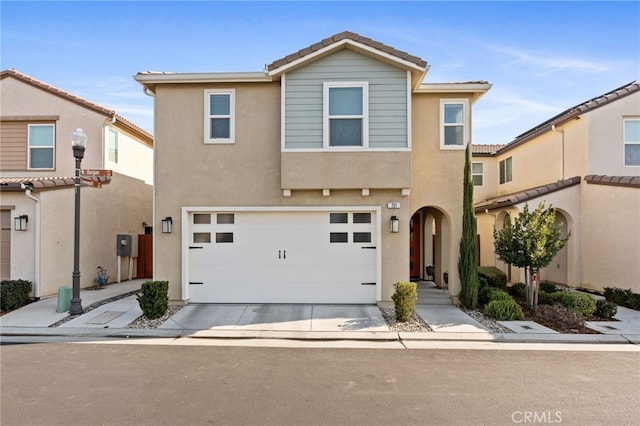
468, 260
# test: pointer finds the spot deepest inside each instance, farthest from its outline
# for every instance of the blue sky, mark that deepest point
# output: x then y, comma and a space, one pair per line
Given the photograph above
541, 57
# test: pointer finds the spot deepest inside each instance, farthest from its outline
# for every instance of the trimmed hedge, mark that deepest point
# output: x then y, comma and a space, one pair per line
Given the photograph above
622, 297
519, 290
576, 302
548, 286
153, 298
14, 294
504, 310
494, 276
404, 300
488, 294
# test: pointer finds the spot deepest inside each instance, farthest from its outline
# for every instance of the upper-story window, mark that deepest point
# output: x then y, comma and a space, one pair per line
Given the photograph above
346, 115
454, 121
219, 111
477, 173
112, 145
632, 142
506, 172
41, 146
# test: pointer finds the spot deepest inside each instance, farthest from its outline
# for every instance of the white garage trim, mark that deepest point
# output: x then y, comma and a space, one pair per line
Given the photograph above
185, 233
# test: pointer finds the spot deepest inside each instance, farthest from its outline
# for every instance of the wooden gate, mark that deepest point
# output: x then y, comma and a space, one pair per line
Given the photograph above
145, 256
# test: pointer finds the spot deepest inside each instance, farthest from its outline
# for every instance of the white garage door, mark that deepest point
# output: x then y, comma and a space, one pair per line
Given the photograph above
282, 257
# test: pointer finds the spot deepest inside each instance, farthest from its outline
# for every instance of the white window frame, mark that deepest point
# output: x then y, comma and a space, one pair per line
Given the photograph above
116, 134
364, 117
625, 143
232, 116
481, 174
465, 123
52, 147
500, 163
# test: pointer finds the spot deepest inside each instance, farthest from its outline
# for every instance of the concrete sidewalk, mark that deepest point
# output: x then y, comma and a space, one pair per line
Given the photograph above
294, 322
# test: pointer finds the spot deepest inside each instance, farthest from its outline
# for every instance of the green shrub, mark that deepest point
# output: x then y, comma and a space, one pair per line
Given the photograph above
548, 286
504, 310
494, 276
487, 294
622, 297
519, 290
404, 300
633, 301
606, 309
577, 302
153, 298
14, 294
545, 298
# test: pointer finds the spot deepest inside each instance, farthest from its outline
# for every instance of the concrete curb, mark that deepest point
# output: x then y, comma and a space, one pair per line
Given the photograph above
328, 336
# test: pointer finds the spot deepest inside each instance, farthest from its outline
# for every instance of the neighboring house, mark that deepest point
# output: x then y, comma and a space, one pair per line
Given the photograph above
37, 171
306, 182
585, 162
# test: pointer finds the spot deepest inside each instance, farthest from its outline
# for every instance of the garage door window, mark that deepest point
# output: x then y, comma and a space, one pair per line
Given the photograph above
224, 237
362, 237
362, 218
339, 237
201, 237
201, 218
338, 218
225, 218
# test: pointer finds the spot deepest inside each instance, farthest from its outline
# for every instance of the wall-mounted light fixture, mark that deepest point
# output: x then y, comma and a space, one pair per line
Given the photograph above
20, 222
166, 225
395, 224
144, 224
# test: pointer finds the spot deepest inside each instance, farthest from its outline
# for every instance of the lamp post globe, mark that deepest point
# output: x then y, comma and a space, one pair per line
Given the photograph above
78, 144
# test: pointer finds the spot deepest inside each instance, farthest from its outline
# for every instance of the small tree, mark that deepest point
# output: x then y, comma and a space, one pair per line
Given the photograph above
530, 241
468, 260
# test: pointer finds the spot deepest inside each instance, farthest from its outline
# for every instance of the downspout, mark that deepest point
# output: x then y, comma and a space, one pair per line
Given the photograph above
36, 283
553, 128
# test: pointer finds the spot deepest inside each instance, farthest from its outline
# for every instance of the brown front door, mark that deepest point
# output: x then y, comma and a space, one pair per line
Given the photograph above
145, 256
415, 246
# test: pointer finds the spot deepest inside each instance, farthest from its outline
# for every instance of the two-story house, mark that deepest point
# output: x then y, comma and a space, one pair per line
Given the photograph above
297, 184
585, 162
37, 169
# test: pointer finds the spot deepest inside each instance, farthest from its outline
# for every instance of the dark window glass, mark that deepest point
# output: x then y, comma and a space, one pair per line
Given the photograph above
338, 218
339, 237
201, 237
225, 218
362, 237
362, 218
224, 237
201, 218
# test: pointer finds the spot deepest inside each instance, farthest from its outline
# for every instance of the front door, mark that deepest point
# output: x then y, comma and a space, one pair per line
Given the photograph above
5, 246
415, 246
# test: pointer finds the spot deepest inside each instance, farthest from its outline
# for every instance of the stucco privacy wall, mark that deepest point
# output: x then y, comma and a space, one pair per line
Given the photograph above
611, 231
100, 222
248, 176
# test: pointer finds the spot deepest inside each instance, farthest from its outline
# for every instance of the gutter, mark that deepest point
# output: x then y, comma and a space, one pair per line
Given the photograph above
36, 284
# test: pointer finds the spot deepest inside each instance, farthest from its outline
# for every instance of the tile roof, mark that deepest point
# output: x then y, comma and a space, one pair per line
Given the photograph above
575, 111
43, 183
346, 35
148, 137
485, 150
526, 195
628, 181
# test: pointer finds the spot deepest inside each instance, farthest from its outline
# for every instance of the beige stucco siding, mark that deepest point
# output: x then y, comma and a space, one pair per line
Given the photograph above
611, 231
606, 147
20, 100
344, 170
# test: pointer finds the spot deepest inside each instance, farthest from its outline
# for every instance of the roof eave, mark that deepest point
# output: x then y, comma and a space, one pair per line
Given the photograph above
151, 79
477, 89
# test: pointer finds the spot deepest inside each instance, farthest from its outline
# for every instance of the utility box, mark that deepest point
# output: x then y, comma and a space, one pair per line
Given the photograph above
123, 245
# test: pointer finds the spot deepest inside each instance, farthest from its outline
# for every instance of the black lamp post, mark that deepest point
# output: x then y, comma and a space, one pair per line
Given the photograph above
79, 143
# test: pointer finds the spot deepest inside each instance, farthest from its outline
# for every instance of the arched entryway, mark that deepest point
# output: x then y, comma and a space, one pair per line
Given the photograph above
429, 245
557, 271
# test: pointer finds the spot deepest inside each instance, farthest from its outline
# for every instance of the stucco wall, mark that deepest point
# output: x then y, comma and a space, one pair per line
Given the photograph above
610, 235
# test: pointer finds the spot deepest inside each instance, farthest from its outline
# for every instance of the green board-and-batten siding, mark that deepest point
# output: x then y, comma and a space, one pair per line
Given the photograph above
387, 100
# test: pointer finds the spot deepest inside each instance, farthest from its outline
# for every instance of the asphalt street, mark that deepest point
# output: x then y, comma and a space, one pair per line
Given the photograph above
136, 384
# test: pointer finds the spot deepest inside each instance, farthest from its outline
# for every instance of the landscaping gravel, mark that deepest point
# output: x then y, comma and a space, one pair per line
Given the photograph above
144, 322
415, 323
491, 324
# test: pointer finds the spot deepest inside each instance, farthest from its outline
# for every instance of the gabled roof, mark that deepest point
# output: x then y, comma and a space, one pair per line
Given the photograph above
43, 183
574, 112
120, 121
526, 195
356, 42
